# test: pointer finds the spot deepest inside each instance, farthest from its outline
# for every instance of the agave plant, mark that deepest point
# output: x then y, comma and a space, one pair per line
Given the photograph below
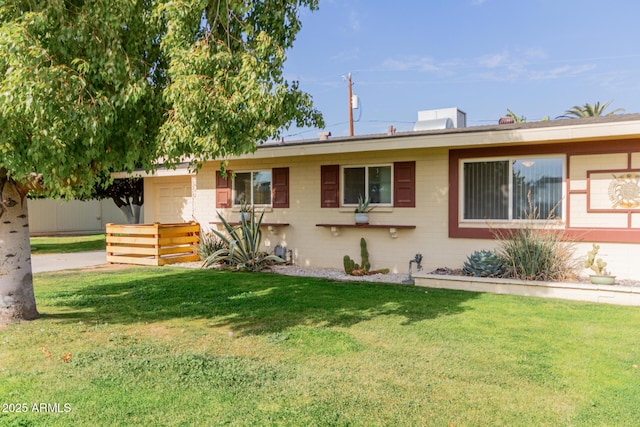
209, 243
242, 246
363, 205
484, 264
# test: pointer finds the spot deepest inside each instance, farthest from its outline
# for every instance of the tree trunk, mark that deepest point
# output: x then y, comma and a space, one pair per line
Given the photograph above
136, 213
17, 300
126, 210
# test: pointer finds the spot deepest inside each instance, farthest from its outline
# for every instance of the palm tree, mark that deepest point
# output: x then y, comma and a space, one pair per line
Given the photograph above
588, 110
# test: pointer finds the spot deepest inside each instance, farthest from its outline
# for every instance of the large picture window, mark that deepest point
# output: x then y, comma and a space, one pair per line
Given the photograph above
253, 188
500, 189
374, 182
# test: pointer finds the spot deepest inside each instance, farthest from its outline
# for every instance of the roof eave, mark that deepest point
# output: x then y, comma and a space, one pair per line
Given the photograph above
469, 137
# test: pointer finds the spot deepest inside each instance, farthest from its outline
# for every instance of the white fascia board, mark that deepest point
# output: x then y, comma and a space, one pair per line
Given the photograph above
160, 172
471, 138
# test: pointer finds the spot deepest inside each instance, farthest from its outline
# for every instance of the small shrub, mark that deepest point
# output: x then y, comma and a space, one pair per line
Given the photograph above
484, 264
537, 250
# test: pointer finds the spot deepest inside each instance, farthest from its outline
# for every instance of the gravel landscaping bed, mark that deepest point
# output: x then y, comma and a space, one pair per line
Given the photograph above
326, 273
336, 274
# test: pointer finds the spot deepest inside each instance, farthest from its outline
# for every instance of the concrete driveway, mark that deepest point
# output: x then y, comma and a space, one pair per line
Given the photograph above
55, 262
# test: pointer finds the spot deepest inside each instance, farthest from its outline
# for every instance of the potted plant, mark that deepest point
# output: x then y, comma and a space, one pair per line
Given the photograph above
601, 276
362, 211
245, 211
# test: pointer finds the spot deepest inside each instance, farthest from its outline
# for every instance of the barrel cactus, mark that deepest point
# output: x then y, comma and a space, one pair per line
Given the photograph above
484, 264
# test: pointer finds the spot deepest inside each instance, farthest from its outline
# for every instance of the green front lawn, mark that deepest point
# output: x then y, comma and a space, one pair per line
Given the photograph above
178, 347
67, 244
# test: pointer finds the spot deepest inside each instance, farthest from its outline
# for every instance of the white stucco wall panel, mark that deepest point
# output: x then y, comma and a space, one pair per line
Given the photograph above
581, 164
580, 217
168, 199
49, 216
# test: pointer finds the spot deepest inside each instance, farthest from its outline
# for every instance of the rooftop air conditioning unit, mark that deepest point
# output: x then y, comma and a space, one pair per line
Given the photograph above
444, 118
434, 124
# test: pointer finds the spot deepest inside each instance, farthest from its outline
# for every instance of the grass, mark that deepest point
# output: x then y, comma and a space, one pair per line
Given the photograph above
170, 346
67, 244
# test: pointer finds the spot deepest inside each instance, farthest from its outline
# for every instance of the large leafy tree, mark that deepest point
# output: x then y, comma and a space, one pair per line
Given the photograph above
588, 110
88, 87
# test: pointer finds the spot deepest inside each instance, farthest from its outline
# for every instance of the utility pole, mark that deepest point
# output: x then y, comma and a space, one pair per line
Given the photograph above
349, 82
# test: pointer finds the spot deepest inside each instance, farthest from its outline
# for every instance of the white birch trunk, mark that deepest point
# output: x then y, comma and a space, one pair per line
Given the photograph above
17, 300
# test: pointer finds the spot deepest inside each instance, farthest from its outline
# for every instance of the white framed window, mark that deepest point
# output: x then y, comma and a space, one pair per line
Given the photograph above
499, 188
373, 182
253, 187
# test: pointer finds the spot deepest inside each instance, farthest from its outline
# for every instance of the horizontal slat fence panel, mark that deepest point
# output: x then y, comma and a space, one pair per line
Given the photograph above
152, 244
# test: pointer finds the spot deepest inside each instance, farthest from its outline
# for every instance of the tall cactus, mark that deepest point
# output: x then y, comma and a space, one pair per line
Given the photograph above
364, 253
353, 269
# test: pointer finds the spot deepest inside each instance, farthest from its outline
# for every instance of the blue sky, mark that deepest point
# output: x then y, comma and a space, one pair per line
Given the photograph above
538, 58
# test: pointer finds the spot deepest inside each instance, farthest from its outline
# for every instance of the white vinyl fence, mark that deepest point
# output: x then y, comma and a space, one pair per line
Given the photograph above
47, 216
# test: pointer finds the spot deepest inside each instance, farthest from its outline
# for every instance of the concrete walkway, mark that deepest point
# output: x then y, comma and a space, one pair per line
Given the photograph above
55, 262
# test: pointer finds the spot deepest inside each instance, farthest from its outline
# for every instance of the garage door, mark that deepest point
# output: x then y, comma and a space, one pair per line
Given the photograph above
173, 202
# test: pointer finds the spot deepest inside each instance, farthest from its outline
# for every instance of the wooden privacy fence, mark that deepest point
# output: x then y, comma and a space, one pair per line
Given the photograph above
152, 244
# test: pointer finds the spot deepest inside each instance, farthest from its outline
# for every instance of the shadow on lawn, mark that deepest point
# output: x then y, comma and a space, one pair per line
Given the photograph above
251, 303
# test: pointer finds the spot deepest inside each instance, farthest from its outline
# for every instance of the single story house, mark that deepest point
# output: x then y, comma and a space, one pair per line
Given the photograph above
436, 191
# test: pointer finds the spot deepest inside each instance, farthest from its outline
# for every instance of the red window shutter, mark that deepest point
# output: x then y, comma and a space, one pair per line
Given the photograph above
330, 186
223, 190
280, 187
404, 184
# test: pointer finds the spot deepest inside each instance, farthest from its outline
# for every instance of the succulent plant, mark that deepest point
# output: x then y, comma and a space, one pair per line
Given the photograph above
363, 205
484, 264
597, 265
364, 253
349, 265
353, 269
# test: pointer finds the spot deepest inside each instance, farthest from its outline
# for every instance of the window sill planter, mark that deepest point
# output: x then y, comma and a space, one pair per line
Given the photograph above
602, 280
362, 218
244, 215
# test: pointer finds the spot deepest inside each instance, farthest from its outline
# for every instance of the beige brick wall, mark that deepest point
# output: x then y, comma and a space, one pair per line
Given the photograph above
318, 246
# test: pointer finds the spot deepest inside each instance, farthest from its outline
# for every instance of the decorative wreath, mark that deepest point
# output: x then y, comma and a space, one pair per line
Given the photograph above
624, 191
